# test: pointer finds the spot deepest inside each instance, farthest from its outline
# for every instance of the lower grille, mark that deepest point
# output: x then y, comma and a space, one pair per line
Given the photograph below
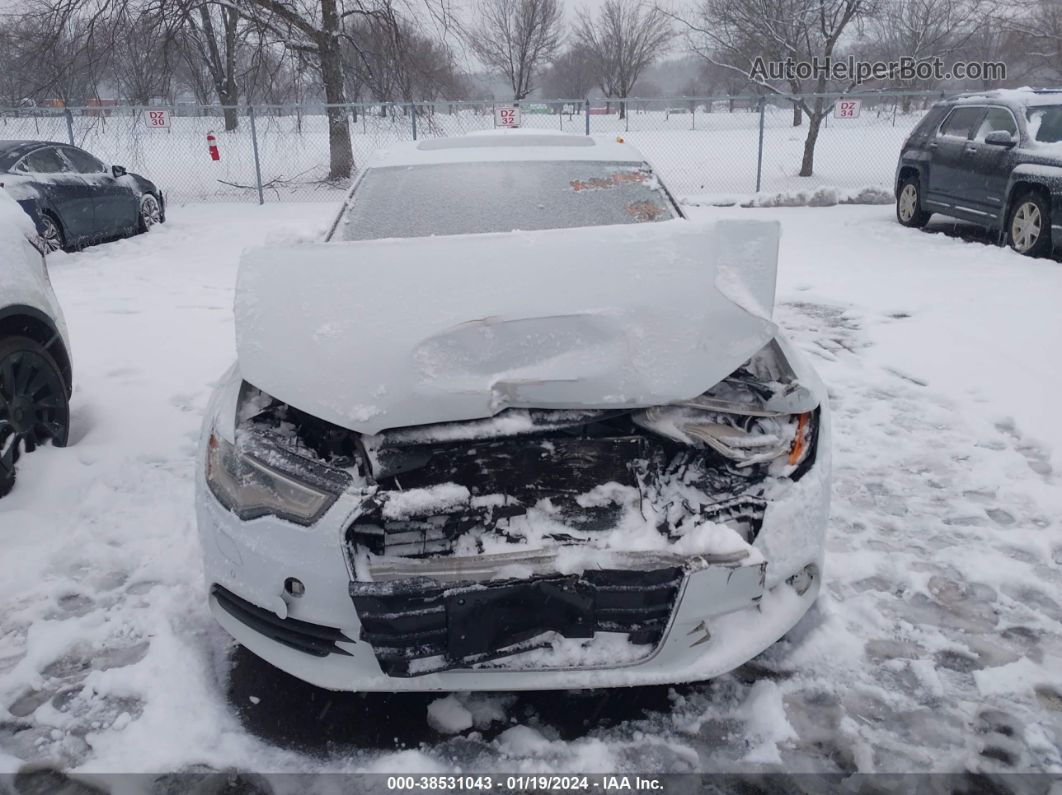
301, 635
417, 627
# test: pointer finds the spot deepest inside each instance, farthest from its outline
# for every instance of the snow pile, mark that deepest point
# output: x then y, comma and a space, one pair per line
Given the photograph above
440, 498
449, 716
819, 196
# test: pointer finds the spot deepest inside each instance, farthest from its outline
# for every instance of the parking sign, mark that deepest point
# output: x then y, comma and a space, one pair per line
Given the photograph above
846, 108
157, 119
507, 116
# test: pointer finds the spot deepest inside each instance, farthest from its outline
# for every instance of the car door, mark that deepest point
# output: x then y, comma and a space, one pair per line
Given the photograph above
62, 190
114, 203
992, 163
950, 177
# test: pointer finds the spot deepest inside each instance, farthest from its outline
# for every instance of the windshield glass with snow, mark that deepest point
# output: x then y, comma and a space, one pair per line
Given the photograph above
1045, 123
467, 198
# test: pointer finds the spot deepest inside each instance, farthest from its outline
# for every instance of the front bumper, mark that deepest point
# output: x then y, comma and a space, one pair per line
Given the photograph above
722, 615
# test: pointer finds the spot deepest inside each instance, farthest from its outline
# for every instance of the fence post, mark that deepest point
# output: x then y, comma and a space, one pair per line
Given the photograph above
413, 113
257, 163
759, 151
69, 125
586, 108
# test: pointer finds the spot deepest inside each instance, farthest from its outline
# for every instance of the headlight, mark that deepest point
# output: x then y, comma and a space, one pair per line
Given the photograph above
746, 439
288, 486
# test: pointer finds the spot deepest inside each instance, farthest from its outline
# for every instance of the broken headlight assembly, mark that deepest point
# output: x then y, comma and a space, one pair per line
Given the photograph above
742, 438
267, 480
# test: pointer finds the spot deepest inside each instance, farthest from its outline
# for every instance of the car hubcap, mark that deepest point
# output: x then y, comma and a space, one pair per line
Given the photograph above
50, 234
908, 202
33, 407
1025, 229
149, 211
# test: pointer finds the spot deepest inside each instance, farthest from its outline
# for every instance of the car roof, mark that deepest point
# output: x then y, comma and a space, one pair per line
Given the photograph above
1015, 98
508, 145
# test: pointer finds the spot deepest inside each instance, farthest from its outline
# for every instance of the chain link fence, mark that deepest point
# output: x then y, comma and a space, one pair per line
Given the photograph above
709, 150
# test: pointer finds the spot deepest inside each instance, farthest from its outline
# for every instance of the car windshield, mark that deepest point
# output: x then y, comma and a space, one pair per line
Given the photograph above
1045, 123
468, 198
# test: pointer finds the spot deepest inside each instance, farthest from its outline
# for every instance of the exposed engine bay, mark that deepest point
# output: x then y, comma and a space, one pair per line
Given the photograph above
490, 539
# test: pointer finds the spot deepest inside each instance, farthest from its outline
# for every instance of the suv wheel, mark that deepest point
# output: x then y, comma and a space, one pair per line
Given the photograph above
909, 210
33, 403
1029, 229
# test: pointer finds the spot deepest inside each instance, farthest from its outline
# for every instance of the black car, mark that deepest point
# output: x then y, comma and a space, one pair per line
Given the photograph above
73, 198
994, 159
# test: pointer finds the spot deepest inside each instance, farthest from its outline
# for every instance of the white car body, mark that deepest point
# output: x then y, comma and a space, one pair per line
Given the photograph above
632, 368
28, 305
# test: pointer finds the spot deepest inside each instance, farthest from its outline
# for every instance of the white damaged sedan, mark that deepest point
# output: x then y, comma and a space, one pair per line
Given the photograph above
516, 423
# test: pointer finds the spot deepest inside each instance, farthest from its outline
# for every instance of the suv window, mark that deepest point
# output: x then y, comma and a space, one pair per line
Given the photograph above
83, 162
996, 120
476, 197
1045, 123
45, 161
928, 123
960, 121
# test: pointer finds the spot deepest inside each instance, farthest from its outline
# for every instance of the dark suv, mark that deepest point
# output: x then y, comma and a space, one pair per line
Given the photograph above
994, 159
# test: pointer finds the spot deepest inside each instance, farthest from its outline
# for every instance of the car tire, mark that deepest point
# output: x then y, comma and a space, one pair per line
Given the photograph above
1029, 225
150, 212
34, 404
51, 232
909, 210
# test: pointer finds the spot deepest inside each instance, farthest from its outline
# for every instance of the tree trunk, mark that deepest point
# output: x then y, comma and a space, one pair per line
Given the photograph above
798, 115
341, 154
807, 165
232, 96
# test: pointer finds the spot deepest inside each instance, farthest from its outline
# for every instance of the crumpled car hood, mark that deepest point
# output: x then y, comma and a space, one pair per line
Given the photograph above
383, 334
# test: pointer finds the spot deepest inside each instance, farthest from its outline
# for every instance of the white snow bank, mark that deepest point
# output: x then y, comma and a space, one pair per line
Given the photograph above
820, 196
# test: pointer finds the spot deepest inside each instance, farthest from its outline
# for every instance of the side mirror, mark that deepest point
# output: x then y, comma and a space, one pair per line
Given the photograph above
118, 171
1000, 138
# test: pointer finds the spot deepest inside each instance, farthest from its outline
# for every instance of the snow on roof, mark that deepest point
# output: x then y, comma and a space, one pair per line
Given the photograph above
1024, 96
507, 145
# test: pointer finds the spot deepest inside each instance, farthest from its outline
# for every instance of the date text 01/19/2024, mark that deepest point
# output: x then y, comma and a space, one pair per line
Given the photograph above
524, 783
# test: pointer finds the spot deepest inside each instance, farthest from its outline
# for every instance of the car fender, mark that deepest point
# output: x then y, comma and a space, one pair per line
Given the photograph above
1042, 174
912, 158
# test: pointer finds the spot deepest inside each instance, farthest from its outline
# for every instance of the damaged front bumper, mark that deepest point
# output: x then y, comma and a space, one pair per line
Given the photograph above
422, 613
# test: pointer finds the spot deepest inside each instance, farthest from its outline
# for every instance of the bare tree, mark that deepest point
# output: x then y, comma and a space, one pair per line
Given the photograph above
1036, 29
140, 67
572, 74
624, 38
213, 31
740, 35
516, 38
923, 29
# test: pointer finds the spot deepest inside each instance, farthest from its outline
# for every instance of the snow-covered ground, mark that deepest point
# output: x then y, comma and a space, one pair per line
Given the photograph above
936, 644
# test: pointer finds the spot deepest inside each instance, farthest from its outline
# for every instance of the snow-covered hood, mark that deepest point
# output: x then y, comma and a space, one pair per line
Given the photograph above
391, 333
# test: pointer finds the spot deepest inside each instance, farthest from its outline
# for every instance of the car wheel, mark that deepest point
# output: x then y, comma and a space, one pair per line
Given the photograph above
1029, 230
150, 212
909, 210
34, 407
51, 233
